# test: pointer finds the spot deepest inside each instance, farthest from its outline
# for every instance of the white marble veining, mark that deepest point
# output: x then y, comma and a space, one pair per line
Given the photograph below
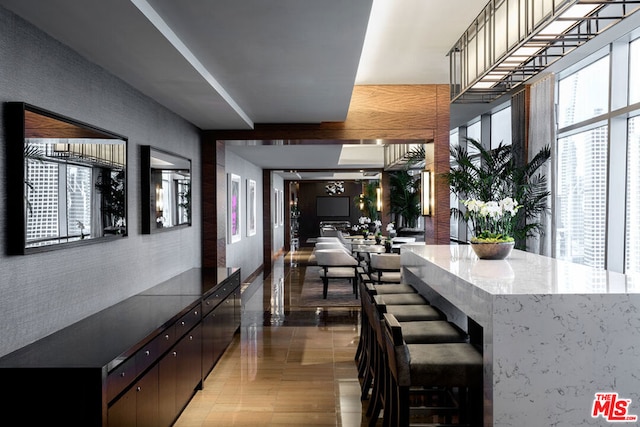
554, 333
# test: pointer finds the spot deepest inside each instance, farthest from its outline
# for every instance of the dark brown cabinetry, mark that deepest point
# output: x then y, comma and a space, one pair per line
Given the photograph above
139, 405
179, 374
137, 363
221, 319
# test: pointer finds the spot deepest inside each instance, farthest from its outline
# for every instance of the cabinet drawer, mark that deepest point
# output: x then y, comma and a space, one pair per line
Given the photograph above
216, 297
166, 339
234, 281
188, 321
210, 303
148, 354
120, 377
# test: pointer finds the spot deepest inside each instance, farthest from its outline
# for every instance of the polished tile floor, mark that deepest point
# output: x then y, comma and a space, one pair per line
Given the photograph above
288, 366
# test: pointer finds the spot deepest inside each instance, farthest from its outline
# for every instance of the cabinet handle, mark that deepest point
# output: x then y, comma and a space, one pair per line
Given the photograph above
166, 337
174, 354
195, 312
138, 388
182, 323
208, 302
146, 353
122, 374
190, 337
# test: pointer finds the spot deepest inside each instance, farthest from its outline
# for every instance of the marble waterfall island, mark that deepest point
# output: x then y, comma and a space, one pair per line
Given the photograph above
553, 333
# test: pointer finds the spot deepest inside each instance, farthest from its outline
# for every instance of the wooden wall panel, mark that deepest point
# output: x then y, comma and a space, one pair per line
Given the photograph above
441, 233
401, 108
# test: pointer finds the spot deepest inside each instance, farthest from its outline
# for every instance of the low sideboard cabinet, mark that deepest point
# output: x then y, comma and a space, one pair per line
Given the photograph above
137, 363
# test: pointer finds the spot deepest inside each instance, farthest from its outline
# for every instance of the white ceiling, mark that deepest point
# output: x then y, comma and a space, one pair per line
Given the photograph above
229, 64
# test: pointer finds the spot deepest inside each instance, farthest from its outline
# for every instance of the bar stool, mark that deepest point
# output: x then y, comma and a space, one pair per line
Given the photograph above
423, 368
367, 286
374, 369
430, 331
365, 353
393, 288
385, 268
400, 299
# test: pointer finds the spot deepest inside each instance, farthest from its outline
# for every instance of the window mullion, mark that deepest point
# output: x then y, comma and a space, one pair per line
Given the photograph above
616, 194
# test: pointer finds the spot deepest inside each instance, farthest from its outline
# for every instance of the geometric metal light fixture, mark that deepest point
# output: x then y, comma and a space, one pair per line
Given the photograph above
512, 40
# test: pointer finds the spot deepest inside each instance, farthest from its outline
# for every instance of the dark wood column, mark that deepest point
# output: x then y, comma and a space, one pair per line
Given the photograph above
267, 223
214, 210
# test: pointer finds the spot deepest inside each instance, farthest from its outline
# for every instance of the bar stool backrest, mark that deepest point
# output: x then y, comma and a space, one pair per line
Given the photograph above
385, 262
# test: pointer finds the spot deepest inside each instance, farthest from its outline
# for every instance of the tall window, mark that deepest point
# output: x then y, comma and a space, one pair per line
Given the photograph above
501, 127
474, 131
582, 197
581, 184
634, 69
584, 94
598, 161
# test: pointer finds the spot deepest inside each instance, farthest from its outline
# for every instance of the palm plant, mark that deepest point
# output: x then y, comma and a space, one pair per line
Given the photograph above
111, 185
368, 200
494, 175
404, 196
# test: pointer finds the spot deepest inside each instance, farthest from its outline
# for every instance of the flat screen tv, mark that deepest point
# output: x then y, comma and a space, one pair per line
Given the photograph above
332, 206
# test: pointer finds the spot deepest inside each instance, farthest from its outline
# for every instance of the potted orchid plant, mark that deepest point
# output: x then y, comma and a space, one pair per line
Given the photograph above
362, 227
505, 200
366, 225
492, 223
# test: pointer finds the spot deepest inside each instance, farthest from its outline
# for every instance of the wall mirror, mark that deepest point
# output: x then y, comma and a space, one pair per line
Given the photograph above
166, 190
68, 179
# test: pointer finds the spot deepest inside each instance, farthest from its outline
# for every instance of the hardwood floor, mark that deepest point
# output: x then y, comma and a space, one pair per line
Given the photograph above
288, 366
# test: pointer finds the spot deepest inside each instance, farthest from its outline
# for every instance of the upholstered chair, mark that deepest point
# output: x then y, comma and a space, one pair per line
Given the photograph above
397, 242
385, 268
337, 264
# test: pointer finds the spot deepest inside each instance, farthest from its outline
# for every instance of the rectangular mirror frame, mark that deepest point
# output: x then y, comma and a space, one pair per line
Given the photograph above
16, 132
149, 214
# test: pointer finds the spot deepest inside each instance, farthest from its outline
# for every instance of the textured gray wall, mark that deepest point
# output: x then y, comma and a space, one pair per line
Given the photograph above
42, 293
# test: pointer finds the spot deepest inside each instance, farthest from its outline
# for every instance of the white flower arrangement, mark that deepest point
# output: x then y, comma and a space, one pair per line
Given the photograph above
363, 224
391, 227
492, 221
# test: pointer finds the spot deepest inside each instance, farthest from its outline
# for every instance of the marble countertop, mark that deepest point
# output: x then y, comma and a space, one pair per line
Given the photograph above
553, 334
521, 273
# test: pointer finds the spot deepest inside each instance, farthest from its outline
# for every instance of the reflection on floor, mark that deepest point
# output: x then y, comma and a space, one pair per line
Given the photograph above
288, 366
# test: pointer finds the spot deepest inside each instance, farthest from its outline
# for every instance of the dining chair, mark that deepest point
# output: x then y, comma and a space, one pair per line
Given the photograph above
385, 268
337, 264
